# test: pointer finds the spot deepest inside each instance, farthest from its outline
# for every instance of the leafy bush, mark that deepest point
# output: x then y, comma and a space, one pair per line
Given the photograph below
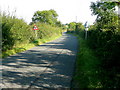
16, 31
104, 39
47, 31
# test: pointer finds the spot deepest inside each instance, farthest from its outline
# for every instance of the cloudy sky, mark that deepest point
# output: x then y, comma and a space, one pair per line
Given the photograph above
68, 10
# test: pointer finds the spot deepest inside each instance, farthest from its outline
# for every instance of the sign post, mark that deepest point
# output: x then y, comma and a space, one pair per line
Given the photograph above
86, 29
35, 28
86, 33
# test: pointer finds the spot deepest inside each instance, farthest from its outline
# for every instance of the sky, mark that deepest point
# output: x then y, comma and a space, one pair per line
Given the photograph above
67, 10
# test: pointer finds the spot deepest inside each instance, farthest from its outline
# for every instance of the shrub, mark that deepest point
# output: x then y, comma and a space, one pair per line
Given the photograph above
15, 31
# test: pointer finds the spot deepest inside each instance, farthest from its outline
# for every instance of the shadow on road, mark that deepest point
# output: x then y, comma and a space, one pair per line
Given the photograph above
48, 66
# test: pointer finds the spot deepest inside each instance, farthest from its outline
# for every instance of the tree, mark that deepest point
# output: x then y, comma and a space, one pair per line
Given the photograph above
45, 16
106, 16
58, 23
106, 35
72, 26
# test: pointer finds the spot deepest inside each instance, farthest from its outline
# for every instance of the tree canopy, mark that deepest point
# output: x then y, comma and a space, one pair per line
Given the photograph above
46, 16
106, 19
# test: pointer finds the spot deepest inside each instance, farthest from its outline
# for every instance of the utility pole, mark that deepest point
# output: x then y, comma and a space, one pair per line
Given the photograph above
76, 26
76, 19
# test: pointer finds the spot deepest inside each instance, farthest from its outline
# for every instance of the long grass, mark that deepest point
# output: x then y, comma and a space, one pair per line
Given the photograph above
24, 47
87, 74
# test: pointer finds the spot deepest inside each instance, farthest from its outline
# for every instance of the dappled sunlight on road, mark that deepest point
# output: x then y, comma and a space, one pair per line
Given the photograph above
45, 66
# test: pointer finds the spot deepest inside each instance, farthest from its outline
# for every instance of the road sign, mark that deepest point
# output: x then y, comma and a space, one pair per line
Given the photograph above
35, 27
85, 25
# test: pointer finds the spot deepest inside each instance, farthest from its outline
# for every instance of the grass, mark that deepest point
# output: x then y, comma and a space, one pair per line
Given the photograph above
24, 47
87, 74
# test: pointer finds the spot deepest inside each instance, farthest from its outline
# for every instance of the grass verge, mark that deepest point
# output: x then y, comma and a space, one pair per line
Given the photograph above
90, 72
23, 47
87, 74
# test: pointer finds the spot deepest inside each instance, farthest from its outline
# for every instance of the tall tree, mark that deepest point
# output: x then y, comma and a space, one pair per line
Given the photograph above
45, 16
72, 26
106, 16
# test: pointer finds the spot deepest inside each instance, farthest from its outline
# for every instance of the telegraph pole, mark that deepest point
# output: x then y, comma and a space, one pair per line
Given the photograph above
76, 19
76, 26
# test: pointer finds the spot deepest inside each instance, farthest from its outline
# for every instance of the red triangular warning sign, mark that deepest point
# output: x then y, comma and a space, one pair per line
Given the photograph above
35, 27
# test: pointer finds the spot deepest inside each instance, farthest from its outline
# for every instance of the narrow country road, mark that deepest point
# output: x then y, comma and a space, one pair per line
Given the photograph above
50, 65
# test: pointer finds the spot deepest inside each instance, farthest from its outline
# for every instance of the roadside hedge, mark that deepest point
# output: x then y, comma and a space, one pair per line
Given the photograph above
16, 31
46, 30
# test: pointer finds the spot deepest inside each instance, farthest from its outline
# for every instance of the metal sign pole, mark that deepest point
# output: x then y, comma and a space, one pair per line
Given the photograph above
36, 34
86, 33
35, 29
86, 29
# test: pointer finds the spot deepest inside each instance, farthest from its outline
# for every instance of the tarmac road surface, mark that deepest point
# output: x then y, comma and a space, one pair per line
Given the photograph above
50, 65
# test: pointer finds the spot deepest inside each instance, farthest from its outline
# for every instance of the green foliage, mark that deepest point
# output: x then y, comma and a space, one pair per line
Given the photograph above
47, 31
72, 26
103, 42
87, 74
46, 16
16, 34
59, 24
104, 36
75, 27
79, 27
14, 31
104, 39
90, 71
